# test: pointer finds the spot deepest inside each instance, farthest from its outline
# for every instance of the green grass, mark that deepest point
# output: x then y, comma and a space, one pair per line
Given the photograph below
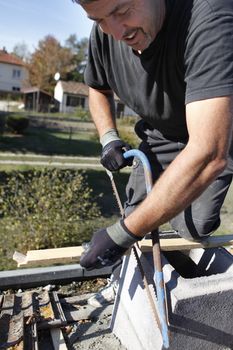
50, 142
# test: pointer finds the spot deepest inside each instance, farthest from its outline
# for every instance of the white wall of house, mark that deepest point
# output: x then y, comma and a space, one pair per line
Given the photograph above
12, 77
63, 97
58, 92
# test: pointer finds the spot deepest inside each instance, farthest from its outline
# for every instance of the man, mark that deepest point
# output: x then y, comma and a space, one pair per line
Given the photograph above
172, 63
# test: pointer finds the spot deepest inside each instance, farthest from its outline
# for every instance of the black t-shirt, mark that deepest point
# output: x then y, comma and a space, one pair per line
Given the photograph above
191, 59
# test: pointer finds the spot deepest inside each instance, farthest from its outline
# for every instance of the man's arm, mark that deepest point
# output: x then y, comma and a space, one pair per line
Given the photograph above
202, 160
209, 124
102, 108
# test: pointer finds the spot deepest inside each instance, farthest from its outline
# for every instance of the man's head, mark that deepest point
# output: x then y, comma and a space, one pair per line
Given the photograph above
136, 22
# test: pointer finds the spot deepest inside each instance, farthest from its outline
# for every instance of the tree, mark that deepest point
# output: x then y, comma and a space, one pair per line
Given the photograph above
21, 50
79, 50
50, 57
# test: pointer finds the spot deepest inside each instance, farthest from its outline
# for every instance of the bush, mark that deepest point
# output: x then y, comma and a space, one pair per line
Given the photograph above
47, 209
129, 137
83, 114
17, 123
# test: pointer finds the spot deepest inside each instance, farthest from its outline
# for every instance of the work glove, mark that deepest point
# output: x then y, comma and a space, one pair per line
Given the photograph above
112, 152
107, 246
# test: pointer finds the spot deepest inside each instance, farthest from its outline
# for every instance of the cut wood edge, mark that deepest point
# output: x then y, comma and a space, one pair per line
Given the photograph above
72, 254
20, 258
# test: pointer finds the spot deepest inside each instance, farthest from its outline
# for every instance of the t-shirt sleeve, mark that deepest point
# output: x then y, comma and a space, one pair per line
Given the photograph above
94, 75
208, 56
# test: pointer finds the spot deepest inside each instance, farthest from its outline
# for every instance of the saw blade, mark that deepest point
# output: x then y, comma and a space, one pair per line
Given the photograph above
135, 252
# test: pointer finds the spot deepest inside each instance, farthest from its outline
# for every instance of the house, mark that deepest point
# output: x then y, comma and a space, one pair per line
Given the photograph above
13, 73
72, 94
39, 100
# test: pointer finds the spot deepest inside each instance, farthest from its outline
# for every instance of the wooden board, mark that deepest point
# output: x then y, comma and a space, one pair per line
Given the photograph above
49, 256
73, 254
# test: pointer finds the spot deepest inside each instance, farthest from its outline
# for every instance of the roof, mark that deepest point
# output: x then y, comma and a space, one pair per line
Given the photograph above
73, 87
33, 89
5, 57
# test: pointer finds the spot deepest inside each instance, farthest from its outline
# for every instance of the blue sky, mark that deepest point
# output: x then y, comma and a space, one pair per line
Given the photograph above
29, 21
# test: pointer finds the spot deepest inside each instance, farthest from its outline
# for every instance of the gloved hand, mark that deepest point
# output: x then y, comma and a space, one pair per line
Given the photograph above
112, 155
107, 246
113, 149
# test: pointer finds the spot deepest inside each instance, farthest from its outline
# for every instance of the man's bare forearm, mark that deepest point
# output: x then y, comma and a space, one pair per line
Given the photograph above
102, 110
182, 182
203, 159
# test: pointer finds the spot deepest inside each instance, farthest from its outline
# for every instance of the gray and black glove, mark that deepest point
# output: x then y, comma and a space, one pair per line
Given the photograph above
113, 149
107, 246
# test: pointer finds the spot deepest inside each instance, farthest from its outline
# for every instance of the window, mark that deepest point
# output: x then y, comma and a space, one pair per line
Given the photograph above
75, 101
15, 88
16, 73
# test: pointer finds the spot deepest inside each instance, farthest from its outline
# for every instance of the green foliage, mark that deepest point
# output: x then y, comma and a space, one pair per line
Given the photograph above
49, 58
126, 135
47, 209
79, 51
17, 123
82, 114
129, 136
127, 120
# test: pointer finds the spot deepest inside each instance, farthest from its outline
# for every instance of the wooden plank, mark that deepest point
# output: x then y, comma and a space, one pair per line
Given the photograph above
183, 244
73, 254
49, 256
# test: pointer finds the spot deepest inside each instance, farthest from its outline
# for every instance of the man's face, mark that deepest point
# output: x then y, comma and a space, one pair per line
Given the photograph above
136, 22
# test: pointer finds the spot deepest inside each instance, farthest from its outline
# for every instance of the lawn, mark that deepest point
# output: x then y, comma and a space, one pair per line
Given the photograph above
51, 142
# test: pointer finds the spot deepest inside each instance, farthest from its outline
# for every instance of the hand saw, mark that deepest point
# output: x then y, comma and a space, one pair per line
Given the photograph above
161, 319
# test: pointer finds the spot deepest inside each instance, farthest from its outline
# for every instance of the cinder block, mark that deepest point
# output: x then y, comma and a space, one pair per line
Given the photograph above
199, 288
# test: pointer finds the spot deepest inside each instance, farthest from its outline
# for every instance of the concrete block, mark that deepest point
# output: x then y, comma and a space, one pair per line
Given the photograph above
199, 288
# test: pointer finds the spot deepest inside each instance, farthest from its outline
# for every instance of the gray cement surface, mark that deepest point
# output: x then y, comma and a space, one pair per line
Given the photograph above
95, 336
92, 329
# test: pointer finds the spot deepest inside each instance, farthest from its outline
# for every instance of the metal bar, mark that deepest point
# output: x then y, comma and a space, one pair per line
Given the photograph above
41, 276
159, 280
